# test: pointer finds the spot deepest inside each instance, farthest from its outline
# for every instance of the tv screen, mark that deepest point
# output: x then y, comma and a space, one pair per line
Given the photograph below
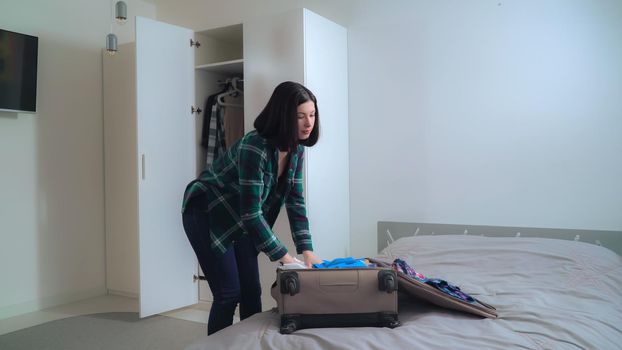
18, 71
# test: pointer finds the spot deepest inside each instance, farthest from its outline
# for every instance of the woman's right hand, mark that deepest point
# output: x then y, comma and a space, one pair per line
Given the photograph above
287, 259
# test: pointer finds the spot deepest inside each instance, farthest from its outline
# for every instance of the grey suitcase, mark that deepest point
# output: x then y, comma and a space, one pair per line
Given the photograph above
345, 297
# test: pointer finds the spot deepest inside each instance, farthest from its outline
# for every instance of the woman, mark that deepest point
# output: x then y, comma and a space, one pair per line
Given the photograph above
229, 211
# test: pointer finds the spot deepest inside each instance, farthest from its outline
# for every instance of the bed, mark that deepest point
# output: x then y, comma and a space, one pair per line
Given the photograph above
549, 294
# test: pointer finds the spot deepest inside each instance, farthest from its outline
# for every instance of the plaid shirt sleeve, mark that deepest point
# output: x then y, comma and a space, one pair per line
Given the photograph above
251, 166
296, 210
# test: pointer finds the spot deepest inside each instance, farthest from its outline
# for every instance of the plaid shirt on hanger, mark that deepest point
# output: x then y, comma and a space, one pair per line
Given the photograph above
216, 134
245, 196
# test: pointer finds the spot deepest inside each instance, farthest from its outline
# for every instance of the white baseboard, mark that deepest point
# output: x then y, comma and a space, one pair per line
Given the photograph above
51, 301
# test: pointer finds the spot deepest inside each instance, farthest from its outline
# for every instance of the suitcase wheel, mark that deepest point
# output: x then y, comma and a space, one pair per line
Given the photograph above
390, 320
393, 324
288, 326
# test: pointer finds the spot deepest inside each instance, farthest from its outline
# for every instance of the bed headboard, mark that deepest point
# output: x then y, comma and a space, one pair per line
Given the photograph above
388, 231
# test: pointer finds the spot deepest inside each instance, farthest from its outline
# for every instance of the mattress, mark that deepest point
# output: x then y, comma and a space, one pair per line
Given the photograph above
549, 294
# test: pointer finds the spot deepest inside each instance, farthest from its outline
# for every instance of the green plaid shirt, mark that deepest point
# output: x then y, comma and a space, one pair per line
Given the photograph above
245, 196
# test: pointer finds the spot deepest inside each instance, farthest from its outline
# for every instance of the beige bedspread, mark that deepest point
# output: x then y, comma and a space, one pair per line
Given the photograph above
550, 294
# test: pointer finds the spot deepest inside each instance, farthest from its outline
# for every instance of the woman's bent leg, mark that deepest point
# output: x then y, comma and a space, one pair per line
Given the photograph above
222, 276
246, 256
221, 272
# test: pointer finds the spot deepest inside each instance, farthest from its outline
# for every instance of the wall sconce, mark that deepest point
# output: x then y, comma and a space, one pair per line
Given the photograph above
120, 12
111, 44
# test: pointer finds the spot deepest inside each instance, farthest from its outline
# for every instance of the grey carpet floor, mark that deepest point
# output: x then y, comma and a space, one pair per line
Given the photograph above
109, 331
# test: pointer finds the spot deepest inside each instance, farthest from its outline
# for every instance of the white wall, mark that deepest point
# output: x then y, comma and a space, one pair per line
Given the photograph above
51, 182
487, 113
472, 112
200, 14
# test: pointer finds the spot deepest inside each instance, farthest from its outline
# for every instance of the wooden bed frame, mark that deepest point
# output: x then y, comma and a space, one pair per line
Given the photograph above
388, 231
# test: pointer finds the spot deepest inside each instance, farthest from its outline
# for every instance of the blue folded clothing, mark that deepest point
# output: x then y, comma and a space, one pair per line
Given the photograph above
348, 262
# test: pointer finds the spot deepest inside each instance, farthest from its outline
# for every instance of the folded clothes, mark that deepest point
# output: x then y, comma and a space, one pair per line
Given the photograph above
400, 265
338, 263
294, 265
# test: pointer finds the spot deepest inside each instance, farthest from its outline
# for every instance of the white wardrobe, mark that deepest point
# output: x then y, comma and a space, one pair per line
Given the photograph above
152, 89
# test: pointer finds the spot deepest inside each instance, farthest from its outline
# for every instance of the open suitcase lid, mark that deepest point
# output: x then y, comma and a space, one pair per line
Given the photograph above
426, 292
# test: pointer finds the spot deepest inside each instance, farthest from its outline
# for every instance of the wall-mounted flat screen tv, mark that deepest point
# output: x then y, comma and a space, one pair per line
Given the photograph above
18, 72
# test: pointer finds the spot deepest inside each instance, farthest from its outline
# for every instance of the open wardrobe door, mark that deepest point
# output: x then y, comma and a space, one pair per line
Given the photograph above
166, 161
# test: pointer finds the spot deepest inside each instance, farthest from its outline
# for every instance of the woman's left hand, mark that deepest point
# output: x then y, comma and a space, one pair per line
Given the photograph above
310, 258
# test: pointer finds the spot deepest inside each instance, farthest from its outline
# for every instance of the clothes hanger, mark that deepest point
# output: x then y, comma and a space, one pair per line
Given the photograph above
233, 90
234, 84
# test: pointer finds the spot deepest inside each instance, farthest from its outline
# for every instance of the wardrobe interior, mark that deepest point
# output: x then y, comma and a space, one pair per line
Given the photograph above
219, 80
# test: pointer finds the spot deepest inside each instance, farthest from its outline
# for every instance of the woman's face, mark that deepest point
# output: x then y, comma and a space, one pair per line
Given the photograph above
306, 119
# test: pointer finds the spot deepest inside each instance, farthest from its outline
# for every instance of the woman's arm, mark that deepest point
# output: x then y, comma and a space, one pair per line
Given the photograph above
297, 211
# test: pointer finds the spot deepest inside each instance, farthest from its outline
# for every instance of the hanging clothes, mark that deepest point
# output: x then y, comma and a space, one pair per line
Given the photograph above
211, 139
223, 121
216, 137
234, 119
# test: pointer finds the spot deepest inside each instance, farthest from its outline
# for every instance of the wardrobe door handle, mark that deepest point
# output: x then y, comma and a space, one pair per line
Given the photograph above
142, 167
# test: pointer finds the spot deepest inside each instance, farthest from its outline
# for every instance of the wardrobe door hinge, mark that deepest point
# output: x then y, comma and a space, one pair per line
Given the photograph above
195, 43
196, 278
196, 110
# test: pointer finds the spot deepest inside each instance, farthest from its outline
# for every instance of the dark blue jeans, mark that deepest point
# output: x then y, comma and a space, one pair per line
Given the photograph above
233, 277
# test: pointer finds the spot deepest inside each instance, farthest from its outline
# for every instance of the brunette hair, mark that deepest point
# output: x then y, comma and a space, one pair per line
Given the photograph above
278, 122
